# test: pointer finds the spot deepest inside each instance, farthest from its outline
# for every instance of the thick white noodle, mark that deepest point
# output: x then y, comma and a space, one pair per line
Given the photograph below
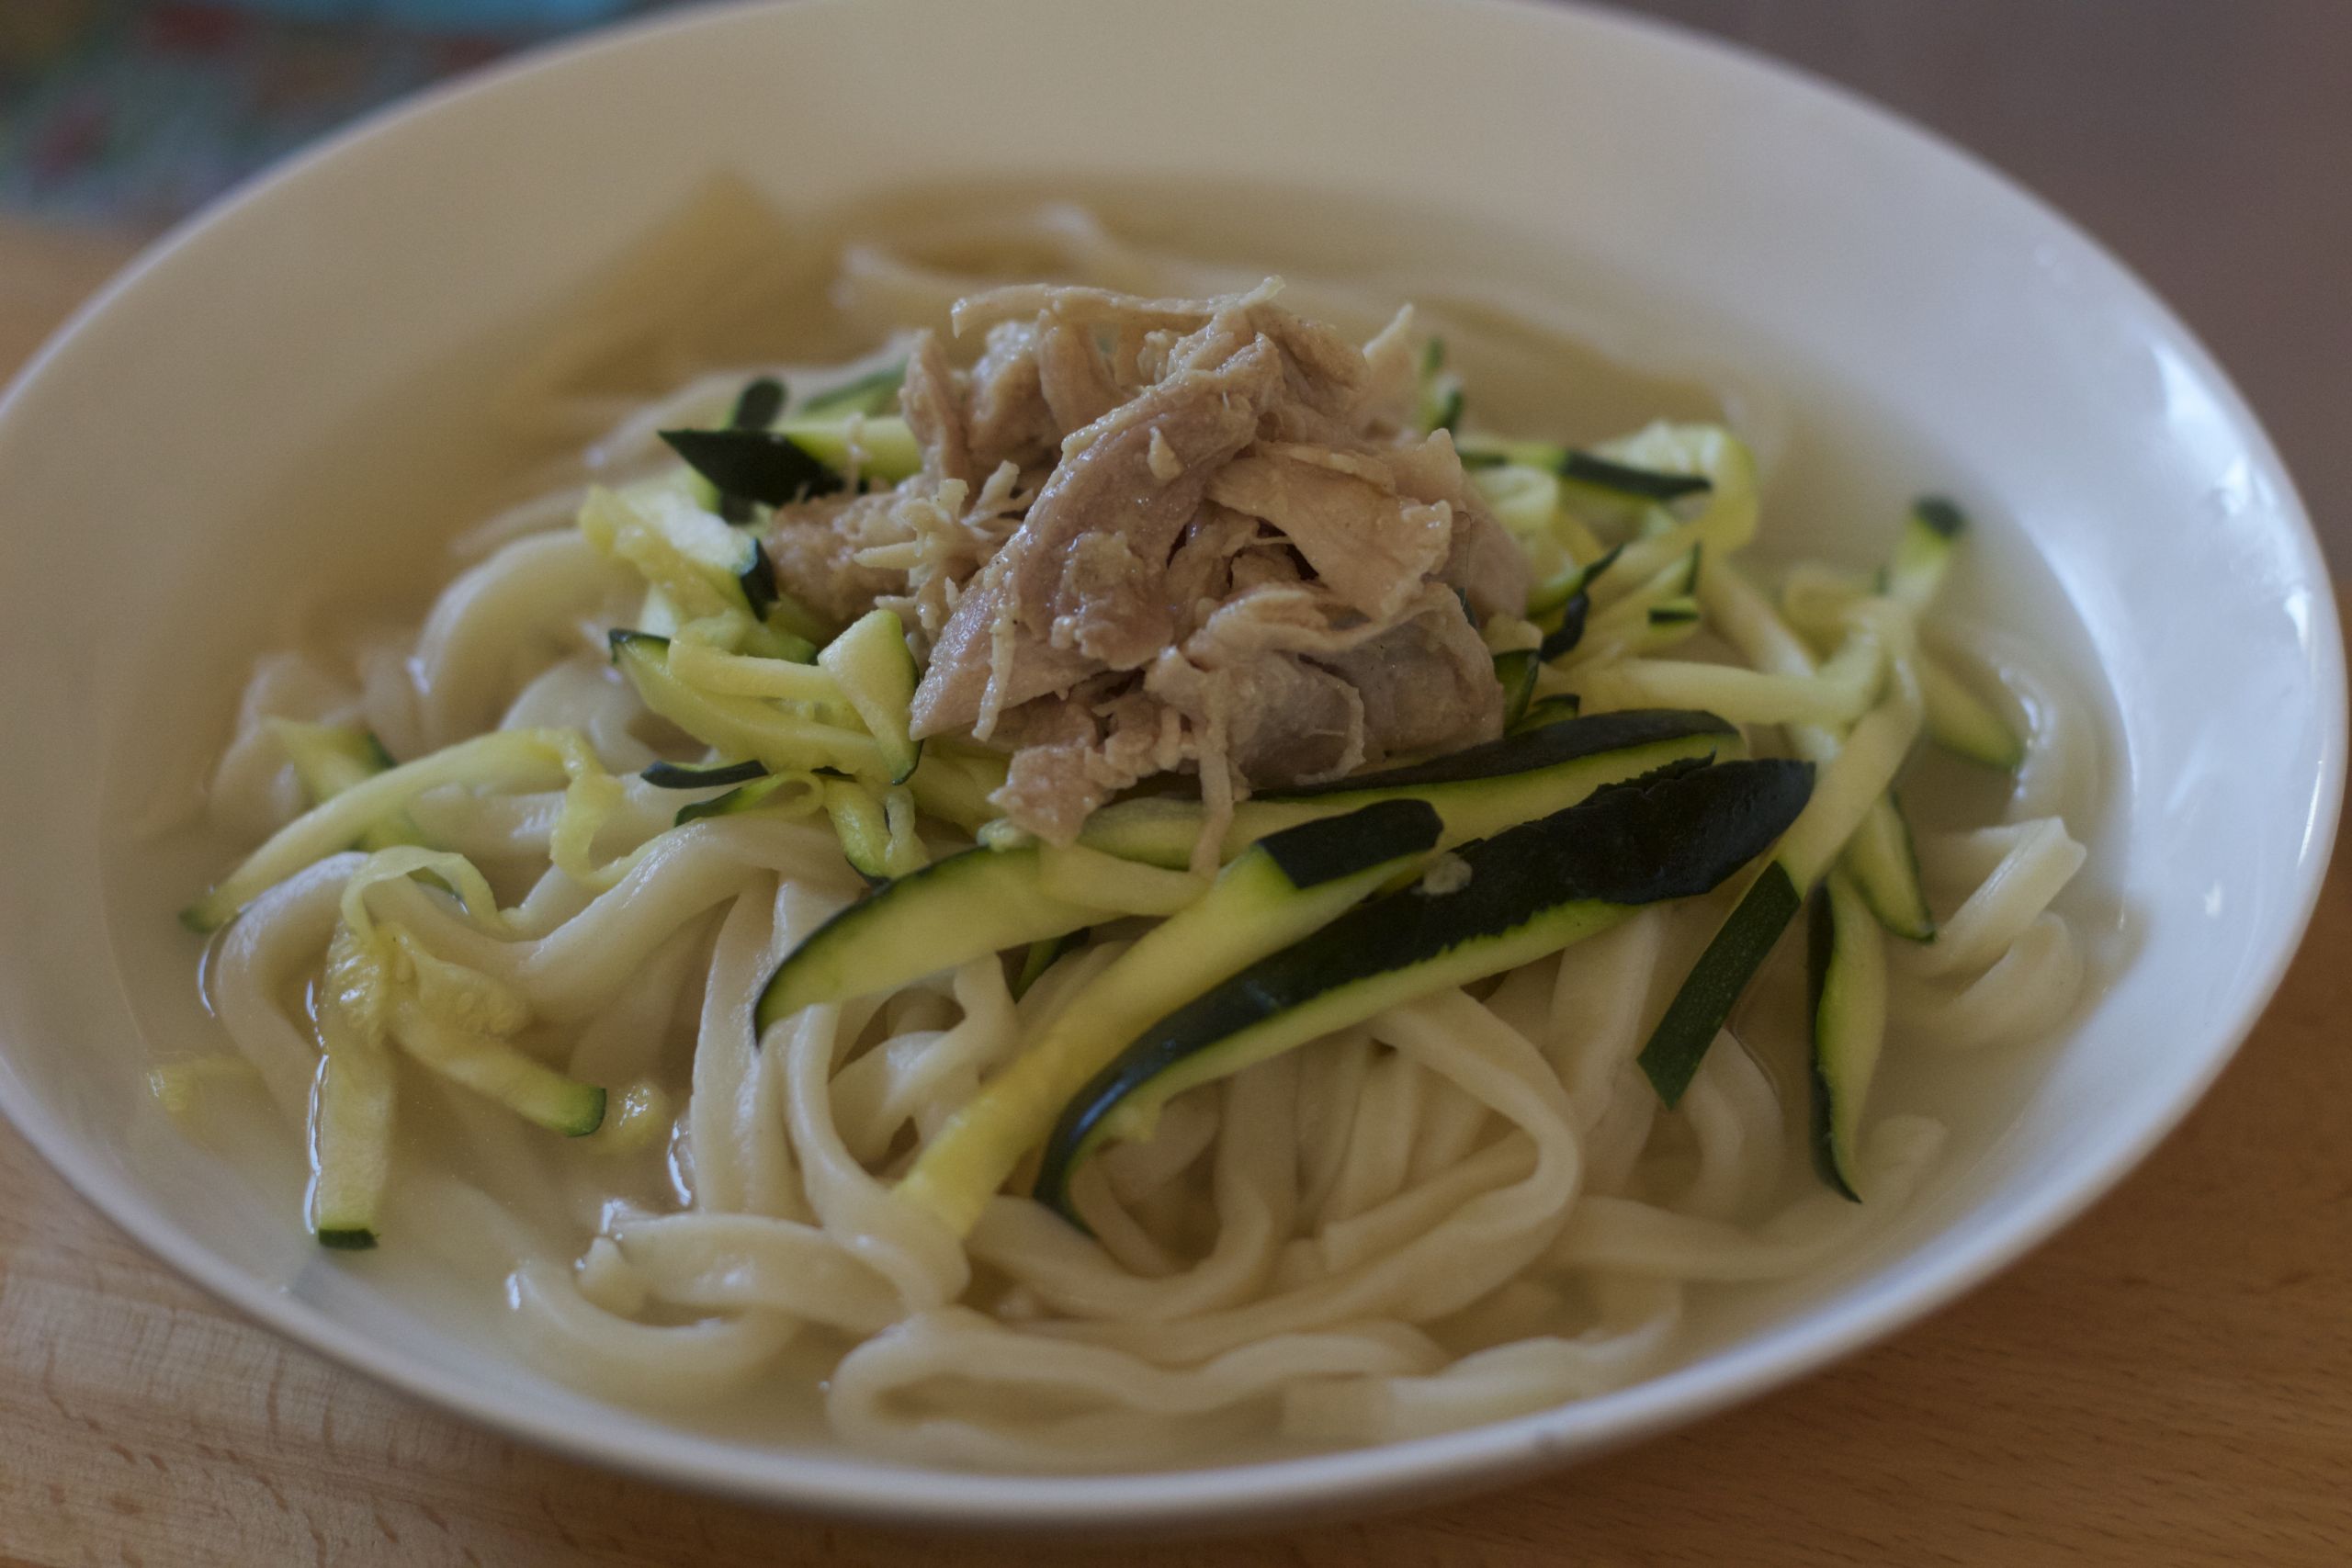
271, 947
501, 623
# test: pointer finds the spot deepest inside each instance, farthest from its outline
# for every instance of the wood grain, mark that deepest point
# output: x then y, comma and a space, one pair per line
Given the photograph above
2168, 1382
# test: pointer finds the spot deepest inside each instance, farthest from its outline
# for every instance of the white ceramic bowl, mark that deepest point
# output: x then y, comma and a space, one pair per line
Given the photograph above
138, 455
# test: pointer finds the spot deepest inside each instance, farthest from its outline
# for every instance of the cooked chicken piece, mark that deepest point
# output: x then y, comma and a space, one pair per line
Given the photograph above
813, 546
1078, 388
1010, 421
1372, 546
1211, 543
932, 401
1427, 684
1083, 575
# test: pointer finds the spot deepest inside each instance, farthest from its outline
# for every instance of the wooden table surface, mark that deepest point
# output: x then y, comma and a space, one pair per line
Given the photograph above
2169, 1381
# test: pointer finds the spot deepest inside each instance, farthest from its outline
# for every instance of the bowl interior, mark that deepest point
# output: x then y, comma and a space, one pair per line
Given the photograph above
229, 433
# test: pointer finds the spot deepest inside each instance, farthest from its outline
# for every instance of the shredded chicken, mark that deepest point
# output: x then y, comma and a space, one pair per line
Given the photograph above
1208, 541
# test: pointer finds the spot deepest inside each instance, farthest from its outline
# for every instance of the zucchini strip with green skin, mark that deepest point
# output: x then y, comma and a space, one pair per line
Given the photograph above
1585, 468
1440, 404
1040, 957
679, 775
1845, 993
497, 1071
1555, 709
1516, 674
1628, 624
859, 823
351, 1131
708, 667
1530, 891
954, 787
506, 760
876, 674
1526, 501
1726, 519
740, 726
1965, 724
953, 910
1081, 876
695, 567
330, 759
1282, 889
888, 446
1550, 595
763, 466
756, 406
1478, 792
1566, 628
1743, 696
1855, 779
1881, 862
1958, 719
808, 795
1724, 525
870, 394
1839, 694
1923, 552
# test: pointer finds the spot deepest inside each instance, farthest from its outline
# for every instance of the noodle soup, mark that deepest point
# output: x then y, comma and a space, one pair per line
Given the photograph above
732, 1239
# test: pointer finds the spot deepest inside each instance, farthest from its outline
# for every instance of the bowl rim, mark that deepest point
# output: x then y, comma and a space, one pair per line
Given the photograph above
1321, 1484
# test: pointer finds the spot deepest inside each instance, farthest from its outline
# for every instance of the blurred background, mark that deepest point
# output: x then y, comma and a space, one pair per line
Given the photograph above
2205, 140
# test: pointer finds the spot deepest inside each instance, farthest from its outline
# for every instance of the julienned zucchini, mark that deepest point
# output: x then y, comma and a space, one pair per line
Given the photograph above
952, 783
1529, 891
680, 775
329, 759
495, 1070
869, 394
877, 833
1584, 468
981, 900
697, 566
351, 1128
1879, 857
876, 673
754, 794
754, 465
1958, 719
1478, 792
860, 826
1564, 625
1885, 864
1845, 970
1557, 708
1656, 612
740, 726
1042, 955
1923, 551
1516, 673
508, 760
1557, 591
1849, 786
1440, 405
756, 406
1282, 889
883, 449
1965, 724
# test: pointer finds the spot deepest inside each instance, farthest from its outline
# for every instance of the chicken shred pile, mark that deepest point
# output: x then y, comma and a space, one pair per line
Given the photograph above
1173, 535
